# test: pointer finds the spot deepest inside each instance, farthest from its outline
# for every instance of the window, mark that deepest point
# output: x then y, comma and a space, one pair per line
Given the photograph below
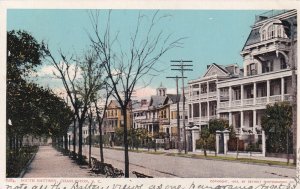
267, 66
263, 35
282, 63
279, 31
251, 69
271, 31
196, 110
190, 110
203, 89
237, 94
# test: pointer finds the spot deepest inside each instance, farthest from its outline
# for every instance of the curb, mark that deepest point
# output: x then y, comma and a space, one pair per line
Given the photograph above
27, 165
237, 161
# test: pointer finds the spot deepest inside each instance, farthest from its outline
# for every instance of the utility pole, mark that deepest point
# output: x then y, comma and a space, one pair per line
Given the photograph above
178, 116
181, 66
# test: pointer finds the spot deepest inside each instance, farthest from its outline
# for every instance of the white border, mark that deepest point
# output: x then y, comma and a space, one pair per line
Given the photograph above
125, 4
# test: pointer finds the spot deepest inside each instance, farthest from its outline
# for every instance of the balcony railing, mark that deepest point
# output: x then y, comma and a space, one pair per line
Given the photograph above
275, 98
236, 103
140, 117
204, 118
224, 104
248, 101
288, 97
203, 95
213, 93
261, 100
213, 117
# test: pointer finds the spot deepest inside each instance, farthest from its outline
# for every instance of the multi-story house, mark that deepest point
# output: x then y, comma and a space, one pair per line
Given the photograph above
148, 115
203, 96
241, 97
267, 76
114, 118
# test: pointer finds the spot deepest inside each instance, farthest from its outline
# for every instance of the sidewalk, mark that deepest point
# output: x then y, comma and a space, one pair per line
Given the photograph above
48, 162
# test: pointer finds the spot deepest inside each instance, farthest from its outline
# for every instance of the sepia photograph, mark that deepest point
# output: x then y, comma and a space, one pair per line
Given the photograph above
151, 93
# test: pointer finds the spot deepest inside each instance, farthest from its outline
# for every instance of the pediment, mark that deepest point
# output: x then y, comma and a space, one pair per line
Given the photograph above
215, 70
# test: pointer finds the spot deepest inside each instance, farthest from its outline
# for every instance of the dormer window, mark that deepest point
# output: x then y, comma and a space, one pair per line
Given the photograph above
271, 31
251, 69
263, 35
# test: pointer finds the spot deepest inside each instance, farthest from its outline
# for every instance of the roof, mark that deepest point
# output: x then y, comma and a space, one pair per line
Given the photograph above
173, 97
157, 100
254, 36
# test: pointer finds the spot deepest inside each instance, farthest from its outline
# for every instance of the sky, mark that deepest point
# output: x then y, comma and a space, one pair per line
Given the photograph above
210, 36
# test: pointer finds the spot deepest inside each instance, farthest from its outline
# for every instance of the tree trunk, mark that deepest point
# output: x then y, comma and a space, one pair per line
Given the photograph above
100, 136
90, 140
74, 135
125, 142
80, 123
66, 141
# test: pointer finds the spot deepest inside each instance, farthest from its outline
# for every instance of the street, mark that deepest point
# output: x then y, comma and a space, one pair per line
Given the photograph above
170, 166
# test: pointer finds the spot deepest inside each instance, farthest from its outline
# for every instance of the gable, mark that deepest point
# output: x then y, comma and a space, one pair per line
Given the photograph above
112, 104
215, 70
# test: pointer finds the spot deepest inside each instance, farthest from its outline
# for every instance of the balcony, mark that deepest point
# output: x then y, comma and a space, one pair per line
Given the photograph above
287, 97
212, 117
275, 98
204, 118
248, 102
164, 121
212, 94
236, 103
224, 104
203, 95
261, 100
194, 97
140, 118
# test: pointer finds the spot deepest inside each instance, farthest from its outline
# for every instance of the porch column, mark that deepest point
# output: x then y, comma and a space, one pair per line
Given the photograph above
242, 119
208, 109
254, 119
192, 111
254, 93
218, 102
152, 129
230, 118
282, 89
230, 95
207, 89
199, 112
268, 91
242, 94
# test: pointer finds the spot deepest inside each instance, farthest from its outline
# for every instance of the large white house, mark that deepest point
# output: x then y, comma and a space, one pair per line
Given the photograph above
241, 95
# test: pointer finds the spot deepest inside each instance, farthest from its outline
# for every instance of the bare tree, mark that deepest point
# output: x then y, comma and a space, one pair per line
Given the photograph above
126, 66
101, 115
80, 78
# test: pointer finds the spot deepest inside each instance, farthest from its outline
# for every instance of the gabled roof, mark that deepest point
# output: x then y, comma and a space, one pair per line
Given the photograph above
216, 68
114, 103
173, 98
157, 100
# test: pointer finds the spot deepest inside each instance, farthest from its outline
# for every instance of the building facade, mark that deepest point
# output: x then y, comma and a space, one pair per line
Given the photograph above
241, 95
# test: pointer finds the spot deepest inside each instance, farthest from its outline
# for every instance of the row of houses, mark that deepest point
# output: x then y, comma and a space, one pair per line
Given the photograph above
234, 93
